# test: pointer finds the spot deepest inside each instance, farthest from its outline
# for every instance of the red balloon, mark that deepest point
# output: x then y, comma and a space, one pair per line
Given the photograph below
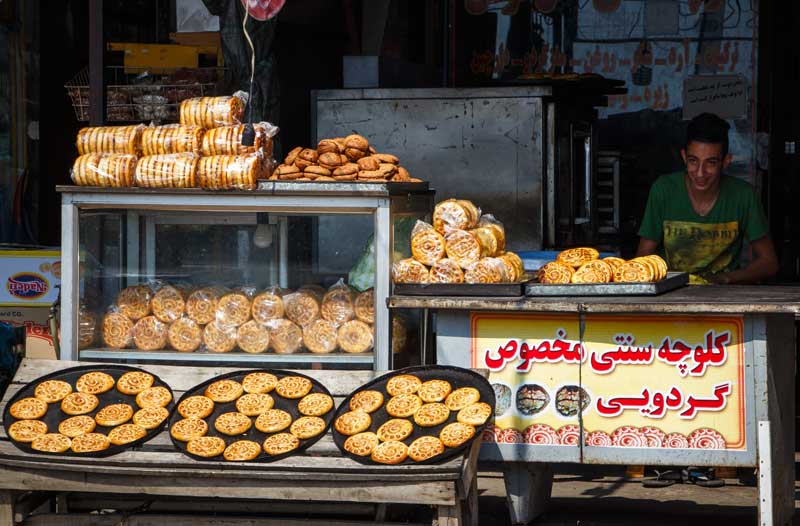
606, 6
545, 6
263, 9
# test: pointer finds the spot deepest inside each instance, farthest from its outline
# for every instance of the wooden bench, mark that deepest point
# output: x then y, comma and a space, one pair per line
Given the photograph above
159, 472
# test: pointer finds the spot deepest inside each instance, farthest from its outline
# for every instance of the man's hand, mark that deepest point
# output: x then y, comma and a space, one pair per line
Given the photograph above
646, 247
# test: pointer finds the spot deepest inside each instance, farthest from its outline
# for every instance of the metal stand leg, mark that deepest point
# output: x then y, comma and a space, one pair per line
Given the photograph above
528, 487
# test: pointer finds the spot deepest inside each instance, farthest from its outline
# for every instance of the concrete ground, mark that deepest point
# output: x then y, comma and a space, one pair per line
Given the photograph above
602, 496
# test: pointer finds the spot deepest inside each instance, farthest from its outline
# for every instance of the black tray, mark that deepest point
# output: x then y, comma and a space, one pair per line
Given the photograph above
286, 404
673, 280
458, 377
55, 415
510, 290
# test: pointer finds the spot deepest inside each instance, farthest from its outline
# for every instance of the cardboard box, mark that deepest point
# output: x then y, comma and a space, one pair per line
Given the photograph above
29, 277
38, 340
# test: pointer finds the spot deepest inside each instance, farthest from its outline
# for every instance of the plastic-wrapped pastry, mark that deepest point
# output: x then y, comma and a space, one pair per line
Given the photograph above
453, 213
134, 301
355, 337
268, 306
227, 140
365, 306
575, 257
595, 271
117, 330
104, 169
497, 230
409, 271
172, 138
555, 273
302, 307
185, 335
320, 336
150, 334
514, 266
230, 172
87, 327
427, 245
110, 139
168, 304
463, 247
213, 112
285, 336
487, 270
446, 271
171, 170
399, 335
233, 309
253, 337
201, 306
337, 304
219, 338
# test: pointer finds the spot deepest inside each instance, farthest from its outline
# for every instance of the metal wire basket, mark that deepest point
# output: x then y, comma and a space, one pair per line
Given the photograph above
141, 96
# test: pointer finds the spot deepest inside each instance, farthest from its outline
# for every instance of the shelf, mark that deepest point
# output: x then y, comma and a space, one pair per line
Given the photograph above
168, 356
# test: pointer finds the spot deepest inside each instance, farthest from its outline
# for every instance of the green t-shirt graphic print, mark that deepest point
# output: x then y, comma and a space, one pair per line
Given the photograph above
702, 245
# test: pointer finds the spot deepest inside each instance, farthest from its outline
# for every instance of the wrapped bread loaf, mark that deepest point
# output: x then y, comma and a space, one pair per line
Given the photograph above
463, 247
427, 245
230, 172
110, 139
173, 170
455, 213
487, 270
410, 271
337, 304
514, 266
227, 140
446, 271
104, 169
213, 112
172, 138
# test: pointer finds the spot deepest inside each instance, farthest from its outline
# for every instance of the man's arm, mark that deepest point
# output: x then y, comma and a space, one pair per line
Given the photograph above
646, 247
763, 266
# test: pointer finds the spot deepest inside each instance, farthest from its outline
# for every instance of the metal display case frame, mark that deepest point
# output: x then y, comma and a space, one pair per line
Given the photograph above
382, 201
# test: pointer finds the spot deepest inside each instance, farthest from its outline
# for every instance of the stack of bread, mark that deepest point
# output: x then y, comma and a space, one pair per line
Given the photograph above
461, 246
205, 149
583, 265
218, 320
348, 158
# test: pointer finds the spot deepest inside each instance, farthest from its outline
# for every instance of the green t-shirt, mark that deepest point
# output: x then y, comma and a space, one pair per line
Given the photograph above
707, 244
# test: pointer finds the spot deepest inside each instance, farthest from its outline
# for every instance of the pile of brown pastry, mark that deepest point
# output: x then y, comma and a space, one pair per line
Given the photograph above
95, 399
204, 150
583, 265
260, 400
415, 408
221, 321
461, 246
348, 158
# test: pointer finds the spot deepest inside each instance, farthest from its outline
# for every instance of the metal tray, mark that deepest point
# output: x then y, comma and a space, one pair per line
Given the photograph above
457, 377
55, 415
286, 404
510, 290
674, 280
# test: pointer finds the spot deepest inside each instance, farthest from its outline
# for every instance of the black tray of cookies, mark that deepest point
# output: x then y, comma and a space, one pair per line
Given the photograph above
457, 377
55, 415
288, 405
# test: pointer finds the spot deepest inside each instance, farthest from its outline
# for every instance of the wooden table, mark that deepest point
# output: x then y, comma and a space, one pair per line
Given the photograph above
320, 475
613, 348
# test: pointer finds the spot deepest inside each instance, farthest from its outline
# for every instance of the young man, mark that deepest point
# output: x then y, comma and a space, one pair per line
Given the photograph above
698, 219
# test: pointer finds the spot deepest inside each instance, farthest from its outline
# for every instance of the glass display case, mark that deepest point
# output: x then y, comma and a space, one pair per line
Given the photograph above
292, 275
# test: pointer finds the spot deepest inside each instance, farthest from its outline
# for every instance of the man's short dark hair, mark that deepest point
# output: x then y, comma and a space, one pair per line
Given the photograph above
708, 128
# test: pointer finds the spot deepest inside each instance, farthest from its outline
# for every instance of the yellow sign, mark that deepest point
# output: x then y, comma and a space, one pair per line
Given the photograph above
629, 381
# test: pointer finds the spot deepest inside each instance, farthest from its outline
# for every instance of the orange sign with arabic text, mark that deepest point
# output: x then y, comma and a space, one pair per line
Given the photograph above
627, 381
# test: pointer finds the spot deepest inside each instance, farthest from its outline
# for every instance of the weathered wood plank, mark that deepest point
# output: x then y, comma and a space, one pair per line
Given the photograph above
6, 508
52, 519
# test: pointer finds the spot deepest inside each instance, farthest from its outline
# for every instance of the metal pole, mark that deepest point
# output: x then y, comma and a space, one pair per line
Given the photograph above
97, 91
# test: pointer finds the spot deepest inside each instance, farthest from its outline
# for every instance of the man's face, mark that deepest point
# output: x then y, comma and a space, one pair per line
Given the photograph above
704, 164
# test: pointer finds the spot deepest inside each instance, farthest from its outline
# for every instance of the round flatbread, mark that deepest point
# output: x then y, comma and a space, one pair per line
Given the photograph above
189, 429
353, 422
224, 390
425, 447
395, 429
77, 425
455, 434
196, 407
273, 420
154, 397
233, 423
361, 444
150, 417
114, 415
134, 382
403, 406
403, 384
475, 414
367, 401
78, 403
430, 415
253, 404
315, 404
90, 443
29, 409
280, 443
52, 391
26, 430
461, 398
207, 447
242, 450
434, 390
390, 453
95, 382
307, 427
51, 443
293, 387
259, 382
126, 433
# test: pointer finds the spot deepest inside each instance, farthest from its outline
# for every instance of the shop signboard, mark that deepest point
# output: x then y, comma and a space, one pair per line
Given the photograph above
29, 277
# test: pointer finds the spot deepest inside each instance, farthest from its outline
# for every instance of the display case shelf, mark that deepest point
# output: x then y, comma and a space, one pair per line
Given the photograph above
236, 357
